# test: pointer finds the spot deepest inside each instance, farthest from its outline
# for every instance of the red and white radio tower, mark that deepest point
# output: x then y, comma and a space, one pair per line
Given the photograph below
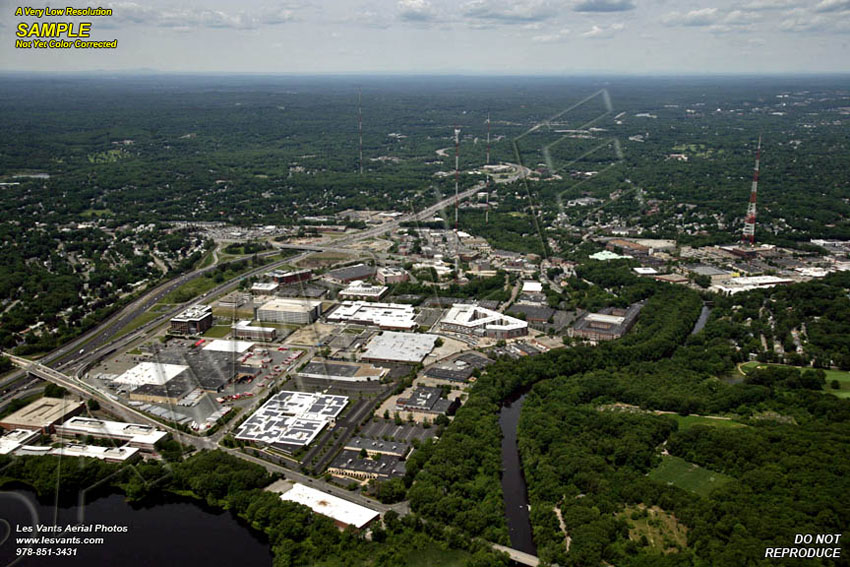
750, 220
360, 126
457, 172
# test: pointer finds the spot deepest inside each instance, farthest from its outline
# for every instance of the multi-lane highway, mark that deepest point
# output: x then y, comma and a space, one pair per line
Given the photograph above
106, 338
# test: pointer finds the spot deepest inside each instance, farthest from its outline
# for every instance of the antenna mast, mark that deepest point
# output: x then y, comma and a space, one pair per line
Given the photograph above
457, 172
488, 138
487, 210
360, 125
749, 235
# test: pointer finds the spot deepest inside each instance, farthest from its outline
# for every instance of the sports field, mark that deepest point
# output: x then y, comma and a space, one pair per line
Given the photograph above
688, 476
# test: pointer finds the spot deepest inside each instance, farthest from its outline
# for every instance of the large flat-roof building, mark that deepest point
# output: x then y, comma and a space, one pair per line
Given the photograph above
15, 439
732, 286
138, 435
42, 414
284, 278
609, 324
178, 371
350, 464
244, 330
108, 454
474, 320
373, 447
343, 371
351, 273
264, 288
359, 289
193, 321
286, 310
391, 275
342, 512
426, 400
390, 316
290, 420
390, 346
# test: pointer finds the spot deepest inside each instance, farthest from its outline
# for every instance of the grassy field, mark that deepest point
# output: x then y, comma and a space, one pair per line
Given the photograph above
688, 421
662, 530
843, 377
218, 331
688, 476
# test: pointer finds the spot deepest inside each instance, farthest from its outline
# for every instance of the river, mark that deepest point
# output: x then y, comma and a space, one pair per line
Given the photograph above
170, 532
513, 480
702, 320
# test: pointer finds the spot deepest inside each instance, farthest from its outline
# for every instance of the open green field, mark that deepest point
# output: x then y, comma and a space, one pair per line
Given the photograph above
189, 290
662, 530
843, 377
688, 421
688, 476
218, 331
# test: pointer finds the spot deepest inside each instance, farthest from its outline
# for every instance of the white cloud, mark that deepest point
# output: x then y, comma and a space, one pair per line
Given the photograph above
801, 21
697, 18
603, 32
182, 19
416, 11
833, 6
505, 12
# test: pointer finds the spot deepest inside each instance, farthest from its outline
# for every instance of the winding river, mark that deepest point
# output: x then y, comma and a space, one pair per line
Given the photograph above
513, 481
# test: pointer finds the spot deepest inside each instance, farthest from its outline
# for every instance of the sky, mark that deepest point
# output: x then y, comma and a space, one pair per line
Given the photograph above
490, 37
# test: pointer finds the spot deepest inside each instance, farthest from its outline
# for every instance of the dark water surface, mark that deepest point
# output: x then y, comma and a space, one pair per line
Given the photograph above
513, 481
171, 532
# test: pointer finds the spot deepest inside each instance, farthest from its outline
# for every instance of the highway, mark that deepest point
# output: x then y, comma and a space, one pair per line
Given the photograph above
103, 340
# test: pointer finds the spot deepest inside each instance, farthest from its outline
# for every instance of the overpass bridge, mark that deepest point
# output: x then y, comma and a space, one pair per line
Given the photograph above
520, 557
85, 391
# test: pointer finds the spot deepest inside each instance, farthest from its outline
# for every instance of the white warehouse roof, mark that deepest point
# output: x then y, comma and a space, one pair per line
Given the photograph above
333, 507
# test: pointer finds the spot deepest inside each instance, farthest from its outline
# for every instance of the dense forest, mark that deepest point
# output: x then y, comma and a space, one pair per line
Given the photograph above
619, 457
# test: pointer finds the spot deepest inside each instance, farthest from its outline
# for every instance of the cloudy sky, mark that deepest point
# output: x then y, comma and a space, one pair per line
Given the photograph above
461, 36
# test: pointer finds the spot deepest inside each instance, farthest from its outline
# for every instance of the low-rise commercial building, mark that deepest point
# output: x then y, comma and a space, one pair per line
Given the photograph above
609, 324
17, 438
284, 278
737, 285
391, 316
351, 273
108, 454
42, 415
142, 436
474, 320
390, 275
374, 447
343, 371
342, 512
291, 420
427, 401
359, 289
264, 288
352, 465
295, 311
390, 346
244, 330
194, 321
